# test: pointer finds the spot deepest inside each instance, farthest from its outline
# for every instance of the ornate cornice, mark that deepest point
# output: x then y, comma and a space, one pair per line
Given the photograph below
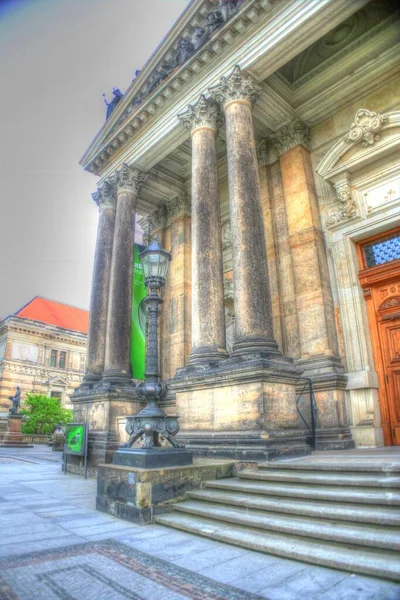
291, 135
129, 179
236, 86
365, 127
205, 113
106, 196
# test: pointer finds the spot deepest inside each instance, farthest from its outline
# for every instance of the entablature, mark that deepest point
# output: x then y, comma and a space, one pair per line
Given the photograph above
260, 37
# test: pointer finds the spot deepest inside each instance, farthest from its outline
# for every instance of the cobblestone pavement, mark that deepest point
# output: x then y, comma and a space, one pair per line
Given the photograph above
54, 545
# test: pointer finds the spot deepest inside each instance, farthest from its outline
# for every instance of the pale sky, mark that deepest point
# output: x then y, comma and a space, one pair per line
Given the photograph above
57, 57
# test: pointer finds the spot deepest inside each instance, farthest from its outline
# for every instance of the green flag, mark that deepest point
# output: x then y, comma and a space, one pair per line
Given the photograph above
138, 330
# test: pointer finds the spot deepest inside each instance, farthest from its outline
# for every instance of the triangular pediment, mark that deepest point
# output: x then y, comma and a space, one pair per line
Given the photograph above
57, 381
193, 37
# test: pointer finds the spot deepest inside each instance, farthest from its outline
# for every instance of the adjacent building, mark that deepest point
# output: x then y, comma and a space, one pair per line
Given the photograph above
43, 350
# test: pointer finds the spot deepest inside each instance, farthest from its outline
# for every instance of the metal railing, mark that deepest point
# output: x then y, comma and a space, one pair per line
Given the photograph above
31, 438
309, 412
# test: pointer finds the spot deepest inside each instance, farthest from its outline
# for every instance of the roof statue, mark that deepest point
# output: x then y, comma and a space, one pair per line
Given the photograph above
111, 106
186, 47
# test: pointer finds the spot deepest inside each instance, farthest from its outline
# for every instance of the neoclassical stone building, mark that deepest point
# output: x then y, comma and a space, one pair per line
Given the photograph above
42, 350
261, 144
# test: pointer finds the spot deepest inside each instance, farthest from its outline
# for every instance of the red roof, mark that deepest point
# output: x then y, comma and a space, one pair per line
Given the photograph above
55, 313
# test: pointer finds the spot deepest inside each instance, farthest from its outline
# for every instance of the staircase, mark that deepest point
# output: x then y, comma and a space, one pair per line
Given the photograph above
341, 516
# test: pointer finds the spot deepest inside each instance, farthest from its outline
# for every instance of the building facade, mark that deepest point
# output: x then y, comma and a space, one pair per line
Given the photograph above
42, 350
261, 142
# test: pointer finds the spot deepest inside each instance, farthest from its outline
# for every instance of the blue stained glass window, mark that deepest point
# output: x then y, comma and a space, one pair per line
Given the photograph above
382, 251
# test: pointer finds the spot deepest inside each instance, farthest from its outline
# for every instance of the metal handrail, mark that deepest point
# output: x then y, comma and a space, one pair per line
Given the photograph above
313, 411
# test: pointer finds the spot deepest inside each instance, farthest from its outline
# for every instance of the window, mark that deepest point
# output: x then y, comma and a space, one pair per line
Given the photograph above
53, 358
62, 360
382, 251
57, 395
58, 359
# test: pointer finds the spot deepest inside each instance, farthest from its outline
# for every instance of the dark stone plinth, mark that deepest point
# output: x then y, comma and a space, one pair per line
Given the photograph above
137, 495
154, 458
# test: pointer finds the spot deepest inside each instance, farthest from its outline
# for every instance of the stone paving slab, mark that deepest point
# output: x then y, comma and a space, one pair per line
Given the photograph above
47, 514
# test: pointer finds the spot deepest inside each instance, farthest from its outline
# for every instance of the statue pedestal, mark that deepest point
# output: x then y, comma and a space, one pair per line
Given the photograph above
13, 437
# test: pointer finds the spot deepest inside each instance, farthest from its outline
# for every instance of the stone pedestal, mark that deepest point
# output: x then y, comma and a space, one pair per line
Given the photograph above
153, 458
101, 409
137, 495
13, 437
244, 411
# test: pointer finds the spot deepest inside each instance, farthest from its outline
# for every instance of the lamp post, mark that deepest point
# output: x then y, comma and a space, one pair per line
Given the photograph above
152, 421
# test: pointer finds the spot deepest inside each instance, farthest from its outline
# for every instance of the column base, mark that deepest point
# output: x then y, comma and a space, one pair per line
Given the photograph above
329, 382
335, 438
114, 378
244, 410
249, 446
207, 356
255, 346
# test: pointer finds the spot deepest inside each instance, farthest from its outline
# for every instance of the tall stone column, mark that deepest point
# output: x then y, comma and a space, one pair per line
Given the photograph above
106, 200
208, 319
253, 312
117, 368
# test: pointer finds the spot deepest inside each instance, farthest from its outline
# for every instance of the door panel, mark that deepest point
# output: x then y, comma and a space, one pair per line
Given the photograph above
390, 343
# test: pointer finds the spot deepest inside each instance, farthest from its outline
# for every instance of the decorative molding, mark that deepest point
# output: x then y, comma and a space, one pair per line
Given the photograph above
129, 179
294, 134
348, 207
236, 86
226, 235
392, 302
205, 113
262, 152
181, 205
165, 214
106, 196
365, 127
336, 161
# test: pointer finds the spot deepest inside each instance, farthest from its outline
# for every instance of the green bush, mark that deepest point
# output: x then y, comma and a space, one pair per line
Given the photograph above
42, 414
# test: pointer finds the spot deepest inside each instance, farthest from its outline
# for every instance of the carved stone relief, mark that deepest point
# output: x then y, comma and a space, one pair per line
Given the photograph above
347, 205
365, 127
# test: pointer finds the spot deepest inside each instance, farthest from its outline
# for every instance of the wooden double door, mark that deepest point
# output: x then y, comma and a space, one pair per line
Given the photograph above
381, 286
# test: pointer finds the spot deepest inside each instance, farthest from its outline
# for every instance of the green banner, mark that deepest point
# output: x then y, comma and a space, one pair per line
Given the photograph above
138, 330
75, 438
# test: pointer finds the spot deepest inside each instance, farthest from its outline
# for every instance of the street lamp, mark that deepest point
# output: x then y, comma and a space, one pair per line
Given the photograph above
151, 422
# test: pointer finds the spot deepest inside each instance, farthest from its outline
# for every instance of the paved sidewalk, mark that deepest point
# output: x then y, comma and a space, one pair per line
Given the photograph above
54, 545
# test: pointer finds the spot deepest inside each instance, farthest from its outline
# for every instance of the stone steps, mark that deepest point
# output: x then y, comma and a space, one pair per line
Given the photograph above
376, 536
348, 520
348, 558
331, 478
356, 513
312, 492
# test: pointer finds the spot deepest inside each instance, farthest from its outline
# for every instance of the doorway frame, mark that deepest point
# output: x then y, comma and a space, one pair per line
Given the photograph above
371, 279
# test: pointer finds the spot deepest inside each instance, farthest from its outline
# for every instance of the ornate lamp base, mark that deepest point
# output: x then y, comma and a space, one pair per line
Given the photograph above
151, 426
152, 422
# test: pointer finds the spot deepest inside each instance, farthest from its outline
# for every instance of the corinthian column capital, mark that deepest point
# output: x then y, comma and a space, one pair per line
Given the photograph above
129, 179
205, 113
237, 86
106, 196
289, 136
